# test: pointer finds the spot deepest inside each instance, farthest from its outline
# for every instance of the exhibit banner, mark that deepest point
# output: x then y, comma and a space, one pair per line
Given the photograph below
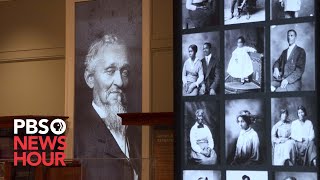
108, 58
246, 96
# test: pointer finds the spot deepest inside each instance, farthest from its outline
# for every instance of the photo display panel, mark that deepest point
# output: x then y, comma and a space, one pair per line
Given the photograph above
246, 89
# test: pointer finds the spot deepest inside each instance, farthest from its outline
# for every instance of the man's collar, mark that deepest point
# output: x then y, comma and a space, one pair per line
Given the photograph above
209, 56
292, 45
99, 110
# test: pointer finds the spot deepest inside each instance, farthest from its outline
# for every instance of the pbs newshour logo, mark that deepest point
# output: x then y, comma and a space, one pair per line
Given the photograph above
33, 148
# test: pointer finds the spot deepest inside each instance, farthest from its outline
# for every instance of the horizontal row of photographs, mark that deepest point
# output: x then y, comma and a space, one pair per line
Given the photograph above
246, 63
253, 134
247, 175
206, 13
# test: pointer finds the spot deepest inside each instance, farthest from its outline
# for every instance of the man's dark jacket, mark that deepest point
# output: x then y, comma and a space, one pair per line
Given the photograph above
211, 73
100, 155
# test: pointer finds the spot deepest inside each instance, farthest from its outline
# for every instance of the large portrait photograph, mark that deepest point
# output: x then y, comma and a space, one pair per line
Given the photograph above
107, 82
292, 52
293, 134
202, 124
245, 132
201, 67
244, 60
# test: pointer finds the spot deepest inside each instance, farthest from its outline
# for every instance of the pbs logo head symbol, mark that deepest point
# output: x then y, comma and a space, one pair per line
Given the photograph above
58, 126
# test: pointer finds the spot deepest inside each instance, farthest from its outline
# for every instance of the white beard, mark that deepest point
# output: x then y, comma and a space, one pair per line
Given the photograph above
113, 121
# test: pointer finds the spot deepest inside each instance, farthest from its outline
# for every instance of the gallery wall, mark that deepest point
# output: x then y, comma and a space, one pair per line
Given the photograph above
32, 37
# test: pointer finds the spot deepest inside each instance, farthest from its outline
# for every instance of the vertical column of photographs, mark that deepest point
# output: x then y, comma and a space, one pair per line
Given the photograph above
247, 91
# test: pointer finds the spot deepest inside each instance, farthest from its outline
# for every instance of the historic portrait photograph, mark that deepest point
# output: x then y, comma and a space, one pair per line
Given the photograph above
295, 176
202, 124
201, 64
244, 11
200, 13
107, 82
201, 175
280, 9
293, 133
245, 132
244, 60
247, 175
292, 53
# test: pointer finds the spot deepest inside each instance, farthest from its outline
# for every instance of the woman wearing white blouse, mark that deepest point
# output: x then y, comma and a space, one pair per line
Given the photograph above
303, 134
248, 144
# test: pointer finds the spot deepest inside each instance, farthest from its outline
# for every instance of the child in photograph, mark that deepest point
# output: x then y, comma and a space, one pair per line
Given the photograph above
240, 65
291, 8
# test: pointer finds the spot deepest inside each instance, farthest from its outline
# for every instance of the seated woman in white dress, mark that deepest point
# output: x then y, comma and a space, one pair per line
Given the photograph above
284, 150
192, 73
291, 8
248, 144
240, 64
202, 144
302, 133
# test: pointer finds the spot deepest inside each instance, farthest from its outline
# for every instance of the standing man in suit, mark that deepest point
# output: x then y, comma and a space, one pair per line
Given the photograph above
211, 71
289, 68
105, 146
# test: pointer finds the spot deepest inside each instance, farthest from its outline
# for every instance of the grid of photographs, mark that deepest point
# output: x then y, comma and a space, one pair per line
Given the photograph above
247, 96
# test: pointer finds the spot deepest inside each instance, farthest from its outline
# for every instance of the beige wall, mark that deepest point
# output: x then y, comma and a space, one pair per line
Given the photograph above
32, 87
162, 56
32, 40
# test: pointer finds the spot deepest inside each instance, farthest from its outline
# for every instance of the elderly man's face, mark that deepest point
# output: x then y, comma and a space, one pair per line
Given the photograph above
111, 75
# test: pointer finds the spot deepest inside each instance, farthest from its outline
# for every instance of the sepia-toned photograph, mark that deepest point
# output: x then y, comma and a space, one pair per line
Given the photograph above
107, 82
293, 133
292, 49
200, 13
244, 60
201, 175
295, 176
247, 175
245, 132
244, 11
281, 9
202, 133
201, 64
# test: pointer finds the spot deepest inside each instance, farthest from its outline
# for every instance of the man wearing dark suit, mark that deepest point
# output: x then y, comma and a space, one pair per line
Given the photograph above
211, 70
289, 68
106, 148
